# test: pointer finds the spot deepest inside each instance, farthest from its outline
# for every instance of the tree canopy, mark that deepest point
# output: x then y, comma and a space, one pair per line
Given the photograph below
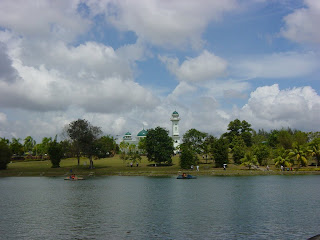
159, 146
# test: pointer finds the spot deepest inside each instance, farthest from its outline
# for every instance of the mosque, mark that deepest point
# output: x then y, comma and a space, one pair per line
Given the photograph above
143, 133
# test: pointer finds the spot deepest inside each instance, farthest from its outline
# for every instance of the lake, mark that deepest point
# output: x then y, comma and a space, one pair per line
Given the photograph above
118, 207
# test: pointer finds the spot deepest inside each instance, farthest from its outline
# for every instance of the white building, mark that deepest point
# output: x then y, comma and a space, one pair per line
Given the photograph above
175, 129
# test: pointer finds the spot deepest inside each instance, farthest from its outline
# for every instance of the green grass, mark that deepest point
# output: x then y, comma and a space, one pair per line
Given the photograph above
115, 166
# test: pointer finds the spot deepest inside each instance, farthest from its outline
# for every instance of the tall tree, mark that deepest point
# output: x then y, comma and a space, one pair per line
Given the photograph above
84, 135
238, 149
314, 150
299, 154
188, 156
240, 128
16, 147
159, 146
262, 152
194, 139
220, 151
5, 154
29, 144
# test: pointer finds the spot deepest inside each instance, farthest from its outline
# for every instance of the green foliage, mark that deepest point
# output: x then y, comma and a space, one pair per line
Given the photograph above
29, 144
238, 149
262, 152
83, 136
285, 139
55, 151
5, 154
237, 128
314, 149
16, 147
220, 151
105, 147
43, 147
282, 158
299, 154
249, 160
188, 156
194, 139
159, 146
142, 145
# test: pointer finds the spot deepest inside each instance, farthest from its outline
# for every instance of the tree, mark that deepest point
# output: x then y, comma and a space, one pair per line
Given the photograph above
282, 158
188, 156
142, 145
238, 149
220, 151
5, 154
299, 154
159, 146
43, 147
83, 136
314, 150
55, 151
249, 160
194, 139
208, 145
240, 128
285, 139
105, 146
262, 152
29, 144
16, 147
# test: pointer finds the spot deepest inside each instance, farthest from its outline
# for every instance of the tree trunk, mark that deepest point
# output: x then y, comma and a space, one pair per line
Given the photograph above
78, 157
91, 162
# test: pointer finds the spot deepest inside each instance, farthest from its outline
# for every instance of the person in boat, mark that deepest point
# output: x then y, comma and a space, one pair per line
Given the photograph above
73, 176
184, 175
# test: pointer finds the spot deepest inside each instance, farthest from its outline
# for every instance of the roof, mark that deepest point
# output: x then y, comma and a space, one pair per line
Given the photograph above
175, 112
128, 133
142, 133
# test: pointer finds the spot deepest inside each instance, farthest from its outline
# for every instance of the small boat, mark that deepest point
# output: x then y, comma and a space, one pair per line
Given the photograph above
74, 178
184, 176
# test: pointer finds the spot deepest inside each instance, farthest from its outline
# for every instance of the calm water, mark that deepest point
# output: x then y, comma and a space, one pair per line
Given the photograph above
257, 207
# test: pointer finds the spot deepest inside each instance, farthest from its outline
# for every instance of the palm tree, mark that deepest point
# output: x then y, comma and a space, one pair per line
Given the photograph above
283, 159
299, 154
314, 151
249, 160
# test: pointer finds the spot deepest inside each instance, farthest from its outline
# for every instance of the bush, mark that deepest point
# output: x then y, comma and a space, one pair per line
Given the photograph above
56, 153
5, 155
188, 157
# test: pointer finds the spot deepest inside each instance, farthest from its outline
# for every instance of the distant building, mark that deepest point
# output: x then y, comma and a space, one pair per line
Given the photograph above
175, 130
143, 133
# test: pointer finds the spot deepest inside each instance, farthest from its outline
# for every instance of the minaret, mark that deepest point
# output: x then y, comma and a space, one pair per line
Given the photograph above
175, 129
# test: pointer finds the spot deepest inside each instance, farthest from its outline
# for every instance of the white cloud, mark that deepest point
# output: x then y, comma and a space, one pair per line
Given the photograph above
206, 66
43, 19
164, 23
272, 108
302, 25
277, 65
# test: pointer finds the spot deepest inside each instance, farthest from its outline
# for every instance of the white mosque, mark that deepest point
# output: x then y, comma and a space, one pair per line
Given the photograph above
143, 133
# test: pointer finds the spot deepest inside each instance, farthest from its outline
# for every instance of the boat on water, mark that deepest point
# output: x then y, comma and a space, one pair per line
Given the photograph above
74, 178
186, 176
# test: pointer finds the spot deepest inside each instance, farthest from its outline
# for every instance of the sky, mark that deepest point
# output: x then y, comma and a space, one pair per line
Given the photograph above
126, 65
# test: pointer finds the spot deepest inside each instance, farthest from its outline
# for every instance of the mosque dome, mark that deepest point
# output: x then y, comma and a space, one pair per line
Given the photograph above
142, 133
175, 113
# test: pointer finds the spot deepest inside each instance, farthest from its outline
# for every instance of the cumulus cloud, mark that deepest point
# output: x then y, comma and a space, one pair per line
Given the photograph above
206, 66
277, 65
272, 108
43, 19
302, 25
164, 23
7, 72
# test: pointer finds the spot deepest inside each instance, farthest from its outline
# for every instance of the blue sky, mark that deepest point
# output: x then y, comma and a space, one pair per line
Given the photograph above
125, 65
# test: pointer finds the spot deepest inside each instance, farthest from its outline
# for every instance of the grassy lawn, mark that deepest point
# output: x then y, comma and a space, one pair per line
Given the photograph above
115, 166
